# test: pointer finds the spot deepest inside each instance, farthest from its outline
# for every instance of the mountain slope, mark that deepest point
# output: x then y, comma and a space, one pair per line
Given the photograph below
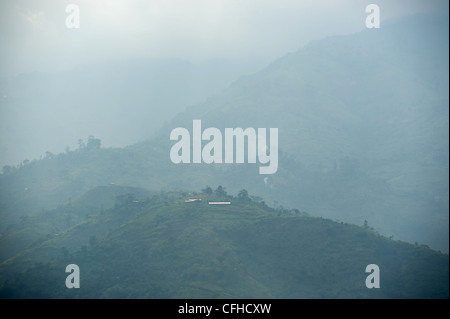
363, 133
166, 248
43, 225
379, 96
121, 101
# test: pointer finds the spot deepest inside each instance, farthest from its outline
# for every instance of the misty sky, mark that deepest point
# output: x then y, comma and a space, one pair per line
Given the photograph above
34, 37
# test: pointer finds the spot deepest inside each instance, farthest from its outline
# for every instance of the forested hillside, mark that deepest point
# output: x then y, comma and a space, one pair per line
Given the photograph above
160, 246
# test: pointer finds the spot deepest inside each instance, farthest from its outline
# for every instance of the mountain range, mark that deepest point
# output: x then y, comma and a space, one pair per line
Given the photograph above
363, 140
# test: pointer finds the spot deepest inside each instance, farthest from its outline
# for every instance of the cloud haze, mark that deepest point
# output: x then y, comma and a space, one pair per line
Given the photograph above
34, 36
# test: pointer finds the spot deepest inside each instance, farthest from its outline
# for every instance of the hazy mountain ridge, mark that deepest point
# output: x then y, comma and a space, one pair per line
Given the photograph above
162, 247
122, 102
345, 153
377, 101
347, 96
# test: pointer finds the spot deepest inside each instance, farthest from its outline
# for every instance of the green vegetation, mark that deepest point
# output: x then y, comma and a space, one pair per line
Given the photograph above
163, 247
